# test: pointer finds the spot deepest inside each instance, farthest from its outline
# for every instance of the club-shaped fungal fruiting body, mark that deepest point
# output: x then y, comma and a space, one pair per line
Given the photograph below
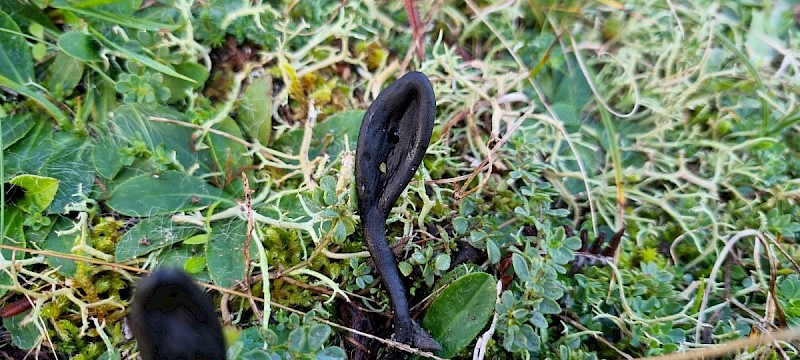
172, 318
391, 144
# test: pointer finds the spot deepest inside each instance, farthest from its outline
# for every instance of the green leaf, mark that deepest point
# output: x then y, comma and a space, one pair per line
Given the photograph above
144, 60
766, 33
107, 157
11, 229
61, 119
492, 251
255, 109
230, 157
198, 239
122, 20
101, 101
297, 340
328, 135
317, 335
789, 288
16, 63
176, 258
15, 126
331, 353
80, 45
195, 264
460, 225
339, 232
24, 334
570, 92
48, 238
39, 191
405, 268
520, 267
27, 13
538, 320
39, 51
53, 154
64, 74
11, 233
158, 194
225, 252
152, 234
442, 262
133, 122
179, 88
459, 314
549, 306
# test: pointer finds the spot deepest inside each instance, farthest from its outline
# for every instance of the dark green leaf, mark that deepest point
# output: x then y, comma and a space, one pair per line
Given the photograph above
331, 353
538, 320
54, 154
225, 252
144, 60
549, 306
107, 157
16, 63
48, 239
328, 135
459, 314
176, 258
152, 234
122, 20
26, 13
179, 88
11, 233
15, 126
101, 101
24, 334
297, 340
61, 118
157, 194
64, 74
520, 267
133, 122
230, 157
80, 45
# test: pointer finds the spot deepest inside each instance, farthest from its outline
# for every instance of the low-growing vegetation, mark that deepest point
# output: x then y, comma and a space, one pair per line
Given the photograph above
604, 180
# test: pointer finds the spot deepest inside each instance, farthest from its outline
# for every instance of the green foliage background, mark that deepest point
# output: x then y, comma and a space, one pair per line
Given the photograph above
131, 131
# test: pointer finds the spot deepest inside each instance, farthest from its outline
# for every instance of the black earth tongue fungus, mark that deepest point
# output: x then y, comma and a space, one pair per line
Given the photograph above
391, 144
172, 318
